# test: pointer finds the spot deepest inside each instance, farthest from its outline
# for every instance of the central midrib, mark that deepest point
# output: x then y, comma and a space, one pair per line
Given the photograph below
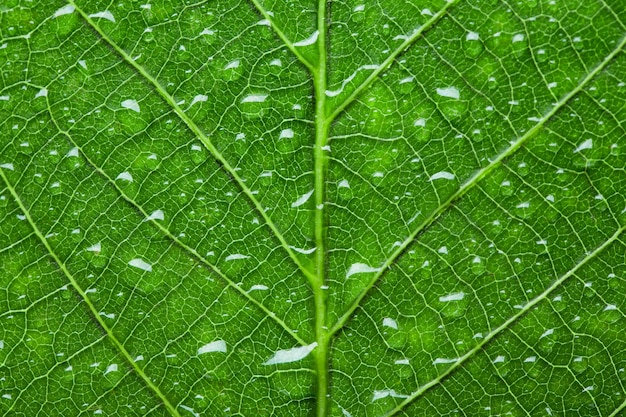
322, 125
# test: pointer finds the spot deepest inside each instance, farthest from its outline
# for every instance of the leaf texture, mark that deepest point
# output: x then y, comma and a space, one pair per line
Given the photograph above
281, 208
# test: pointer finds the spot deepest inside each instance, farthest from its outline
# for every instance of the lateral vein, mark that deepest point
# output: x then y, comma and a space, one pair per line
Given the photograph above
96, 316
391, 57
180, 243
504, 326
203, 138
473, 181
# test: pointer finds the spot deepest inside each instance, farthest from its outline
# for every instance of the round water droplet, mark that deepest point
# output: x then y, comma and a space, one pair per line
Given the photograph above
610, 314
506, 188
547, 341
39, 178
473, 47
541, 54
579, 364
231, 70
255, 104
523, 169
453, 304
478, 266
56, 188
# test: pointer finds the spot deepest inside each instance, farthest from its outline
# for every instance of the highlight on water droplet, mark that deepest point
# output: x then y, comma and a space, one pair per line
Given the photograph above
236, 256
380, 394
286, 134
156, 215
302, 199
451, 92
103, 15
200, 98
96, 248
67, 9
587, 144
455, 296
445, 175
215, 346
42, 93
360, 268
141, 264
131, 104
258, 287
308, 41
389, 322
125, 176
291, 355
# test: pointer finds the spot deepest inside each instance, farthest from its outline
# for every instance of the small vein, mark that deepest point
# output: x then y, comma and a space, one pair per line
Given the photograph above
504, 326
389, 60
282, 36
473, 181
617, 411
96, 316
203, 138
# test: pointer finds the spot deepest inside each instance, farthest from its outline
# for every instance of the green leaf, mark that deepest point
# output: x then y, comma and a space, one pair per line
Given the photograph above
278, 208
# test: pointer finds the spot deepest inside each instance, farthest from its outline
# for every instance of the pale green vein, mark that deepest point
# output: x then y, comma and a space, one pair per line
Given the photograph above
282, 36
617, 411
96, 316
389, 60
178, 242
473, 181
504, 326
322, 126
203, 138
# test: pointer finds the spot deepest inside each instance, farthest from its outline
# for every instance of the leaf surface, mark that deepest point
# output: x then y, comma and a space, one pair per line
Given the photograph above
296, 208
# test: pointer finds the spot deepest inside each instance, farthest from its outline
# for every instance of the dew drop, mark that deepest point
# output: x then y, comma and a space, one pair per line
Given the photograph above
140, 264
103, 15
290, 355
215, 346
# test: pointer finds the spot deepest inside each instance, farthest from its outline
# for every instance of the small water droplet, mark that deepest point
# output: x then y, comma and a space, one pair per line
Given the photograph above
254, 105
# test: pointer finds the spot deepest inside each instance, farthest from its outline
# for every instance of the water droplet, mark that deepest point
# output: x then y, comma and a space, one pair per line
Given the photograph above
103, 15
302, 199
478, 266
291, 355
125, 176
523, 169
236, 256
215, 346
472, 45
579, 364
131, 104
610, 313
360, 268
141, 264
156, 215
67, 9
254, 105
453, 304
451, 92
442, 175
587, 144
308, 41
